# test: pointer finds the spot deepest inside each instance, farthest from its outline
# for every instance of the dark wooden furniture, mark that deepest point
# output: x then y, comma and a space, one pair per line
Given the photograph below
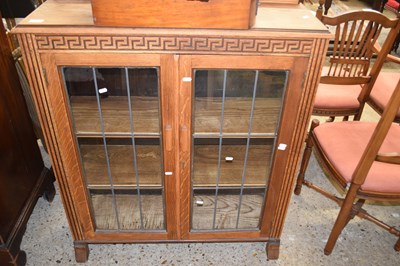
363, 159
23, 177
348, 79
375, 4
11, 9
394, 5
173, 135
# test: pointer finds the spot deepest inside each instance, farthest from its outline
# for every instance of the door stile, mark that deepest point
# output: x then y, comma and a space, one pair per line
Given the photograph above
169, 104
185, 146
70, 180
282, 170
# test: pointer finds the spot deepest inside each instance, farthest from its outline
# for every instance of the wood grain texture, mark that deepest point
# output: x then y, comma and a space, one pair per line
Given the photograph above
284, 158
34, 75
81, 251
272, 249
185, 142
236, 115
239, 14
66, 145
227, 211
122, 166
115, 114
286, 181
205, 165
169, 110
127, 206
79, 13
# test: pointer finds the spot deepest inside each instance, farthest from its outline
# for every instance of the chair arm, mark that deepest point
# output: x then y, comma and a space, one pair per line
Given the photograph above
391, 58
389, 157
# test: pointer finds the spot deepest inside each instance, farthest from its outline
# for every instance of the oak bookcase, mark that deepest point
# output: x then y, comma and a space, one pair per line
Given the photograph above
173, 135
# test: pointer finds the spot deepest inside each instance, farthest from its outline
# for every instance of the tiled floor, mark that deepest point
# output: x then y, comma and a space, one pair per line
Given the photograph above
309, 220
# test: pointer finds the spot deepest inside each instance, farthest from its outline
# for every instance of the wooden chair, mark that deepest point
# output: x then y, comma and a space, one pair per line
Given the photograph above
363, 159
383, 89
351, 74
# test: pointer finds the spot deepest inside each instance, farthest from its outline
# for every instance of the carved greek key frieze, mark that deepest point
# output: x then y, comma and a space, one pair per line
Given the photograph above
174, 43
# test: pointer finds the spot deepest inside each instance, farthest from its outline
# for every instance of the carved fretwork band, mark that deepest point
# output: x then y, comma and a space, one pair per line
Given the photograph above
174, 43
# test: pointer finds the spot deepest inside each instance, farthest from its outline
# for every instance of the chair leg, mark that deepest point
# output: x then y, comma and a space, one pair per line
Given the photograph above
397, 246
357, 116
306, 159
342, 219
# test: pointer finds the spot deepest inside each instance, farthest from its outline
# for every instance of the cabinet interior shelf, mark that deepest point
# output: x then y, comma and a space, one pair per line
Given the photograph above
233, 135
122, 167
236, 116
117, 135
106, 188
222, 187
226, 211
115, 115
145, 116
107, 208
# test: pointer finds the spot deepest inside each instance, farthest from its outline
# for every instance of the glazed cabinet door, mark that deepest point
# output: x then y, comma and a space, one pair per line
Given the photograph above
235, 141
113, 116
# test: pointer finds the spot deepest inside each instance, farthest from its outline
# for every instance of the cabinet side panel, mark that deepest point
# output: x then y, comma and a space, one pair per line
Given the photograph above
310, 85
37, 83
66, 152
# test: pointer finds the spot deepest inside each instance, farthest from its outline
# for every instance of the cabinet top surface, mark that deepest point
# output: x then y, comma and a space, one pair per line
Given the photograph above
77, 14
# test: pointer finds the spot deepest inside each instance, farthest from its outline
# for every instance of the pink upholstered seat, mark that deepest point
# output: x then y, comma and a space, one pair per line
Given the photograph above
383, 89
393, 5
341, 145
344, 143
333, 96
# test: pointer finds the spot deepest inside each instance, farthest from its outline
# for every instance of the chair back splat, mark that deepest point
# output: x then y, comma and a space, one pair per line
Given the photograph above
351, 73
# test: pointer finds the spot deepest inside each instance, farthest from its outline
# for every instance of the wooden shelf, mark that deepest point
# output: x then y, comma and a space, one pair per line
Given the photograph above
122, 165
115, 113
205, 165
128, 211
153, 214
207, 114
116, 117
227, 211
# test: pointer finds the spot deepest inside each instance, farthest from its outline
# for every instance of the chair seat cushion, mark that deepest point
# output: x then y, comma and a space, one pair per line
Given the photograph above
344, 142
383, 89
337, 97
393, 4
